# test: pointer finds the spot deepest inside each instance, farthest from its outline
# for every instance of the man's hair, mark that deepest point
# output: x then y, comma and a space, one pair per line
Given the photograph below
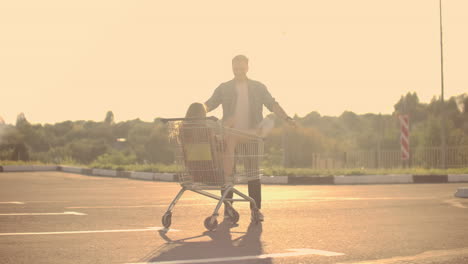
242, 58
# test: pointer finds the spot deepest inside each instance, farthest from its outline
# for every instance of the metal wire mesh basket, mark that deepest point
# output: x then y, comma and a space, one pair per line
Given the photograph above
210, 155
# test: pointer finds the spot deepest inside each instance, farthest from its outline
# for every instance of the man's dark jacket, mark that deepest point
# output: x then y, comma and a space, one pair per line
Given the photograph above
258, 96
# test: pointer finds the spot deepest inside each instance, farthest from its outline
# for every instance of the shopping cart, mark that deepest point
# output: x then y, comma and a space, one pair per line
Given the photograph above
212, 157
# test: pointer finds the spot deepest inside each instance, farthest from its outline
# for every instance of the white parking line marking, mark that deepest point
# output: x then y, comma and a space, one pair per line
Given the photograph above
295, 253
64, 213
119, 206
314, 199
11, 203
455, 203
47, 201
435, 256
89, 232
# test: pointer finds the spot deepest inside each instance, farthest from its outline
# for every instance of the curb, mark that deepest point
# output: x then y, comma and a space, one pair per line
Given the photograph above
458, 177
274, 179
290, 180
462, 193
374, 179
430, 178
13, 168
167, 177
304, 180
86, 171
24, 168
103, 172
147, 176
123, 174
72, 169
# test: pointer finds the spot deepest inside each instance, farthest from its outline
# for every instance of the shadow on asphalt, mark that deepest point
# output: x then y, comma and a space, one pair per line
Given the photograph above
221, 245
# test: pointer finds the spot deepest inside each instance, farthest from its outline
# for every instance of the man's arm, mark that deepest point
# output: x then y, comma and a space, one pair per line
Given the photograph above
279, 111
214, 101
274, 107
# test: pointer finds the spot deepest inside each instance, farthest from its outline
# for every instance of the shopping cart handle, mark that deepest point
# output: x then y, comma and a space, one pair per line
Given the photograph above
165, 120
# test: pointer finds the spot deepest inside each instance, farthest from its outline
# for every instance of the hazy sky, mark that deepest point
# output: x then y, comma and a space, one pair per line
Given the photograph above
75, 60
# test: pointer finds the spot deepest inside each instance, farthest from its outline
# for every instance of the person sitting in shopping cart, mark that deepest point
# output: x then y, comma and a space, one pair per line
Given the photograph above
202, 149
242, 100
221, 151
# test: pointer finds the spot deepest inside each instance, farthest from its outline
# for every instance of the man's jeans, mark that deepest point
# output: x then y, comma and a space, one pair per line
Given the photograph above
255, 191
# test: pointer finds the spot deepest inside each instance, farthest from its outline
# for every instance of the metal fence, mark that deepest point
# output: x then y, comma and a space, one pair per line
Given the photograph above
456, 157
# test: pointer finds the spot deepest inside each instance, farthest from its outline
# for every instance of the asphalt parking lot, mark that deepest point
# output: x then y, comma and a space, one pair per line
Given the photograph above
56, 217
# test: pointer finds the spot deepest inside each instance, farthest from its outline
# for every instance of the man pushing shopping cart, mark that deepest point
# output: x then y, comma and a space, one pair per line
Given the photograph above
233, 149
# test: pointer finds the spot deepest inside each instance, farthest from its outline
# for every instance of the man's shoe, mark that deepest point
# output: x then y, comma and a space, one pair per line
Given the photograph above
260, 216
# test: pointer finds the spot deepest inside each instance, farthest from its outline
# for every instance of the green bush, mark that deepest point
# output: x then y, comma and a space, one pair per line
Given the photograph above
112, 159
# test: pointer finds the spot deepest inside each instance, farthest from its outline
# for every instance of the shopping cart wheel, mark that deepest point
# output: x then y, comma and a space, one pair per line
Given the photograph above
233, 215
211, 225
167, 219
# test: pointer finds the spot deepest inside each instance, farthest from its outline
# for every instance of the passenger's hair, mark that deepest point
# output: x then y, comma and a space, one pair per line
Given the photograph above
196, 110
241, 57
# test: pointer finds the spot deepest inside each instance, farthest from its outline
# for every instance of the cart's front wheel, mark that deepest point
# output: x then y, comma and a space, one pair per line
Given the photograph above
209, 224
167, 219
233, 215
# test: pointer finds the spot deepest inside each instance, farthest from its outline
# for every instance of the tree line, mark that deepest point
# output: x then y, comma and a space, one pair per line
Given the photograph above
139, 142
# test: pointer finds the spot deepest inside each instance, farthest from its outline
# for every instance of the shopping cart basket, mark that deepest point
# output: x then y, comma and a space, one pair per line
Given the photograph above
212, 157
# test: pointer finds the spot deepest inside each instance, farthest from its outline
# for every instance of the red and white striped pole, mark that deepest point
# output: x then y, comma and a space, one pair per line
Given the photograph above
404, 137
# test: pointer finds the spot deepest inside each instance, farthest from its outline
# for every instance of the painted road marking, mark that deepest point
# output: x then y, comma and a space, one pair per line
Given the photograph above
296, 252
435, 256
123, 206
315, 199
455, 203
47, 201
11, 203
64, 213
90, 231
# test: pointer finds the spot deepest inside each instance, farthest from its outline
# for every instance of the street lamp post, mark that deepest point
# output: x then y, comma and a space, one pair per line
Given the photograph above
443, 132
